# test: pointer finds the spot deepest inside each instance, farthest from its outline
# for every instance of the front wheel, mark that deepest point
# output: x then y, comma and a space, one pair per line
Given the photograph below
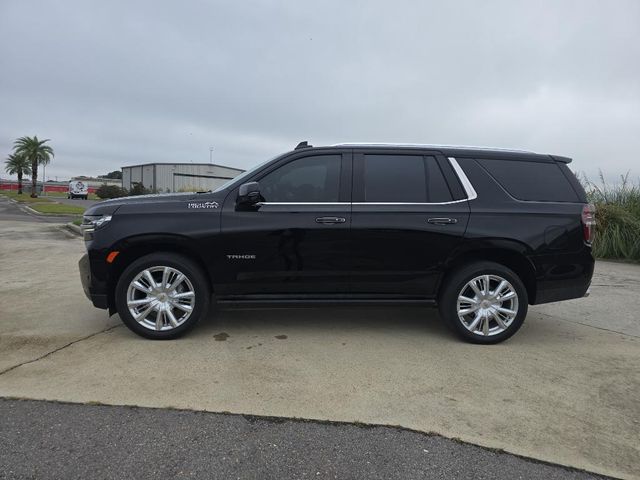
162, 296
484, 302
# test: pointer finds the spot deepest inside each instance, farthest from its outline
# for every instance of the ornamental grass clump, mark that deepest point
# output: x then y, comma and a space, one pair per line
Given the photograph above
617, 217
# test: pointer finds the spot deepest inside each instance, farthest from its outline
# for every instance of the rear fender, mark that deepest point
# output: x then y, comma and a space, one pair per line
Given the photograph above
510, 253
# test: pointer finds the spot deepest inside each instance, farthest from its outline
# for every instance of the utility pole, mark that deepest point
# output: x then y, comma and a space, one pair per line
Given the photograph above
210, 154
44, 177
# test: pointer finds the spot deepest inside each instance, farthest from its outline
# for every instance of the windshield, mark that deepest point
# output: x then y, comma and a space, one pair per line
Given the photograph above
244, 175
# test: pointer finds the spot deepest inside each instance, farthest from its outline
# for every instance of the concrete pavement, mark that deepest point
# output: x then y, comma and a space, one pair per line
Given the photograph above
612, 305
563, 390
41, 303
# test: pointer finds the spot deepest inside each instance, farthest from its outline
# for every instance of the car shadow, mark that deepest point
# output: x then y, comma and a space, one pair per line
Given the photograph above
379, 319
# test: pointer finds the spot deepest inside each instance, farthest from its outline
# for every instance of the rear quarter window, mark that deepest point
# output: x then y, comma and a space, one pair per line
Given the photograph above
531, 180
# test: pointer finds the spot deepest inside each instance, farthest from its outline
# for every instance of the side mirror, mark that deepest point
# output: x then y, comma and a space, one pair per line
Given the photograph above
248, 194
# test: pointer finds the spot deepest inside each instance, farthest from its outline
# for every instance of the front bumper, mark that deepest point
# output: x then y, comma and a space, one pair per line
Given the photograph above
99, 300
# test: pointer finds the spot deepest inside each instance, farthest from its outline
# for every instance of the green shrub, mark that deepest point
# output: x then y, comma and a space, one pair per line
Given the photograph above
617, 218
139, 189
105, 191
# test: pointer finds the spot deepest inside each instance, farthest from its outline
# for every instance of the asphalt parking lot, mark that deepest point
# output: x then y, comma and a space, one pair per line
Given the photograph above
70, 441
564, 390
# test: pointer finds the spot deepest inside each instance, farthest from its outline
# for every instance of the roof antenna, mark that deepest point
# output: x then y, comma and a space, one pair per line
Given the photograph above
304, 144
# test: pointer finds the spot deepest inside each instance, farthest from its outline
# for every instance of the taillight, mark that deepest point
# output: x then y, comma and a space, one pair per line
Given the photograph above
588, 222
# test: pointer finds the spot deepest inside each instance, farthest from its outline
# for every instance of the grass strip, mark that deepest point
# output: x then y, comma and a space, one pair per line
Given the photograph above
57, 208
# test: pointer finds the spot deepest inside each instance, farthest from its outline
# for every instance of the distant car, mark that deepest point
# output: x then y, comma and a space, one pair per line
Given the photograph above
78, 189
481, 233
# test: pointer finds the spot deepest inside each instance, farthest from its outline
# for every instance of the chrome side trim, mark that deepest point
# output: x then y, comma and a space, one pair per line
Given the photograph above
260, 204
410, 203
466, 184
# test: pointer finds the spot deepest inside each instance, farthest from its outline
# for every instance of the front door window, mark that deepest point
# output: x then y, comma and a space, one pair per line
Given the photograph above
312, 179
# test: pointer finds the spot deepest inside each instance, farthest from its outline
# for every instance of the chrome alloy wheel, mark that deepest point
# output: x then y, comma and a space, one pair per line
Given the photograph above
161, 298
487, 305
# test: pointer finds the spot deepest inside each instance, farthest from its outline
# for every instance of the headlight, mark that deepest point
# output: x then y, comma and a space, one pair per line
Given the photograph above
91, 222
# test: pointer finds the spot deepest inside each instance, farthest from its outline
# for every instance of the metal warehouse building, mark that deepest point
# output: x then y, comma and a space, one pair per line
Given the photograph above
178, 177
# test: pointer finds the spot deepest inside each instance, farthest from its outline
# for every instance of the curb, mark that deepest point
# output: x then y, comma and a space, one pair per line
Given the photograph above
31, 210
74, 228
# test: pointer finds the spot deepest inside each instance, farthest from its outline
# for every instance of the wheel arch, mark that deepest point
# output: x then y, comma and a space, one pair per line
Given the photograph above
133, 248
510, 254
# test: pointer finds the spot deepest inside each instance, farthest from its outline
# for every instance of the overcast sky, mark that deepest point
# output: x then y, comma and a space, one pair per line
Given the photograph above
116, 83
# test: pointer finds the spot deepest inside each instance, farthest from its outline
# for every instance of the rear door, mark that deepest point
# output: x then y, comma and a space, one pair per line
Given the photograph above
297, 240
409, 213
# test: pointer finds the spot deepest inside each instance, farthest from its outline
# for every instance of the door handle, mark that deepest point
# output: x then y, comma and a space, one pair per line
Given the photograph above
442, 221
330, 220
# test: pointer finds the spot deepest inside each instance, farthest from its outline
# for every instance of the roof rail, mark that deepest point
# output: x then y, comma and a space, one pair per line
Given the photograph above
428, 145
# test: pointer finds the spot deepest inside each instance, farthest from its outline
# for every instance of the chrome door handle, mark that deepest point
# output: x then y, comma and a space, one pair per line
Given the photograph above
442, 221
330, 220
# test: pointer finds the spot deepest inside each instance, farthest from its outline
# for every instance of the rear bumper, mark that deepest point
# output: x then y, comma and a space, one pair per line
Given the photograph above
564, 280
97, 297
561, 293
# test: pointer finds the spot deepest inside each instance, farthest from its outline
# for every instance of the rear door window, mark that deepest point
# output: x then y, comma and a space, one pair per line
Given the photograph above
531, 180
403, 179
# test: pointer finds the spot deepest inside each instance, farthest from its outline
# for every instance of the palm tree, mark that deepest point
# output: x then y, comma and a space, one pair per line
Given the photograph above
37, 153
16, 164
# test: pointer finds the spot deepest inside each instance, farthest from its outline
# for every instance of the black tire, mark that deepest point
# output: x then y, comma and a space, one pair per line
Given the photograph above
184, 265
457, 281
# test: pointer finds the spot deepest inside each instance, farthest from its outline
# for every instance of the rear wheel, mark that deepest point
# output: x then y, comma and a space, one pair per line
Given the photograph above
484, 302
162, 295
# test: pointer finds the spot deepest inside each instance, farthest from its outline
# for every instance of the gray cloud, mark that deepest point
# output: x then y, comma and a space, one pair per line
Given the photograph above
115, 83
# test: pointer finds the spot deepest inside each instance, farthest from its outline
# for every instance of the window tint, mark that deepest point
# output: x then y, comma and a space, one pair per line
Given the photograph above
437, 189
404, 178
308, 179
531, 180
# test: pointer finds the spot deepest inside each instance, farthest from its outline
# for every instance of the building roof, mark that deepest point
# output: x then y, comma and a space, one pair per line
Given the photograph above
184, 163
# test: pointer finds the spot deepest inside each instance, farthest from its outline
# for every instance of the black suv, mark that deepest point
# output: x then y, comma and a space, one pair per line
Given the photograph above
482, 233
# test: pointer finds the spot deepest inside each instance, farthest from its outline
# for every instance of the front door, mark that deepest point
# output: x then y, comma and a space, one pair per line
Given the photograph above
406, 220
296, 241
